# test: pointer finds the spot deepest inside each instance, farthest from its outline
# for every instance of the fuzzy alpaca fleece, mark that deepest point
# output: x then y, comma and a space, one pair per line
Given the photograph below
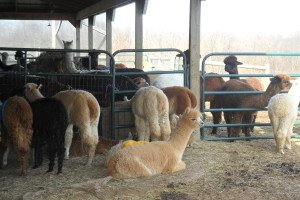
155, 157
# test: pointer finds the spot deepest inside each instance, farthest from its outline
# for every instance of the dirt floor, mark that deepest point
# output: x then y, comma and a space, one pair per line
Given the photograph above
215, 170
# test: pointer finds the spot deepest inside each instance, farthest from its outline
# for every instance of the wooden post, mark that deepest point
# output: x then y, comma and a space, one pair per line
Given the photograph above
139, 4
78, 27
91, 20
194, 46
109, 19
53, 36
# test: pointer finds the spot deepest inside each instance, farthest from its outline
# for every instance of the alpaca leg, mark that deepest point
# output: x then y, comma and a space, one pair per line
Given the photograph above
247, 119
180, 166
253, 121
280, 141
5, 156
140, 126
89, 140
165, 127
236, 119
289, 134
68, 140
38, 156
23, 158
51, 155
217, 117
60, 155
155, 133
227, 117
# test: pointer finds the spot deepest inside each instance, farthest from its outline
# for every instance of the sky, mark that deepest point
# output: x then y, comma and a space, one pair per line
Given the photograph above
276, 17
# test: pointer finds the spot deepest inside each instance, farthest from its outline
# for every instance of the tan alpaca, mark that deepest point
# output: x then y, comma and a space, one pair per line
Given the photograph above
150, 107
155, 157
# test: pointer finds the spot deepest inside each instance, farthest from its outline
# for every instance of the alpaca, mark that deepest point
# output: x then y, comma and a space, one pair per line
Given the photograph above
17, 133
277, 84
50, 127
83, 112
231, 66
4, 58
179, 99
150, 107
283, 111
155, 157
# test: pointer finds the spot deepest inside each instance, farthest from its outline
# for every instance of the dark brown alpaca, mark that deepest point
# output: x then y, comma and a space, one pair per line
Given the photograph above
231, 66
277, 84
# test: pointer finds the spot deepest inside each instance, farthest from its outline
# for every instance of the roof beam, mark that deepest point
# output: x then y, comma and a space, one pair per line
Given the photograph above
101, 7
36, 16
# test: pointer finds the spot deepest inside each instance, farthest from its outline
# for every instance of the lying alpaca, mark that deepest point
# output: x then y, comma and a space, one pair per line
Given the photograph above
151, 112
17, 121
155, 157
83, 112
283, 111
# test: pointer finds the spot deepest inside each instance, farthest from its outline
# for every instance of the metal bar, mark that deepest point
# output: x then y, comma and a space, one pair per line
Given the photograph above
204, 75
243, 138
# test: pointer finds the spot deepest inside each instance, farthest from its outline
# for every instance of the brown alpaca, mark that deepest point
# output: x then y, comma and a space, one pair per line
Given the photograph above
231, 66
155, 157
17, 121
179, 98
120, 66
277, 84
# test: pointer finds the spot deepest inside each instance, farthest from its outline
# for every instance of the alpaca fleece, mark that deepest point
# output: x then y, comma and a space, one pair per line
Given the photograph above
277, 84
50, 121
150, 107
17, 121
283, 112
155, 157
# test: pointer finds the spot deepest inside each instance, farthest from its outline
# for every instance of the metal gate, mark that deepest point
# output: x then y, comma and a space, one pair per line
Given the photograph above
204, 75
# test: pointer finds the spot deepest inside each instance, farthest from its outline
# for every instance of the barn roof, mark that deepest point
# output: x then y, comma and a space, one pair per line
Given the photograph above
56, 9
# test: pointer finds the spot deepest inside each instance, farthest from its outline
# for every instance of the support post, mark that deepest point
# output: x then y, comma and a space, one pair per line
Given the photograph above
53, 35
194, 46
139, 5
109, 19
91, 21
78, 28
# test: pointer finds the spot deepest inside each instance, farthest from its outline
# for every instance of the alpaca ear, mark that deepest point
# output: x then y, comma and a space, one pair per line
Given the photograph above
275, 79
39, 86
187, 110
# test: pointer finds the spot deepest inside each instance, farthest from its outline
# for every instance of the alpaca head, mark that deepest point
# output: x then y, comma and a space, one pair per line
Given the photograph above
192, 118
68, 44
32, 91
231, 64
140, 82
280, 82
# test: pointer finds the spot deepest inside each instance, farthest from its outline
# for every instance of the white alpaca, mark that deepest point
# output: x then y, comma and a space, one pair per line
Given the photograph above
168, 80
283, 111
68, 59
150, 107
83, 112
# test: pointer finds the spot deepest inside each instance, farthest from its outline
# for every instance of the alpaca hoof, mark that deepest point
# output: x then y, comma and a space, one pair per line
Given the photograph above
280, 151
59, 172
35, 166
67, 157
49, 170
288, 146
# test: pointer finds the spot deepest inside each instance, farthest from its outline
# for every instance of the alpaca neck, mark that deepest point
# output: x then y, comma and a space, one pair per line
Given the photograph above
234, 72
264, 98
181, 135
35, 96
69, 63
